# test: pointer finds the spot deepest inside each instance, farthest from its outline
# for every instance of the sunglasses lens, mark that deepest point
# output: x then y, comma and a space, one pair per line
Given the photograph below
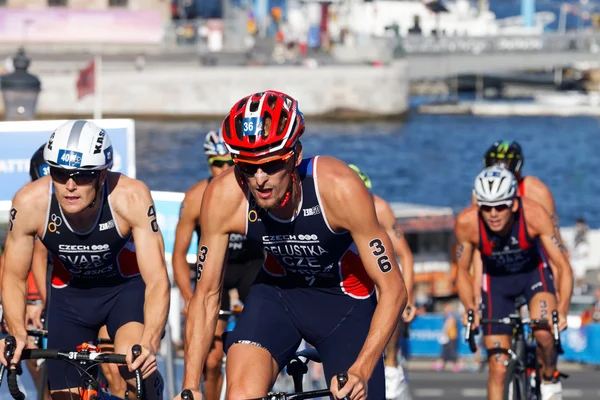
59, 175
80, 177
220, 163
498, 208
273, 166
248, 169
85, 177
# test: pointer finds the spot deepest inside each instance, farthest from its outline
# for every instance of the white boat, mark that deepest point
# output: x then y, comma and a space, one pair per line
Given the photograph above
374, 18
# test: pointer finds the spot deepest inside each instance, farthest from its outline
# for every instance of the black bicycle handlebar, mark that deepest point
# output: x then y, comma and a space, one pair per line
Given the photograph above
512, 320
62, 355
341, 378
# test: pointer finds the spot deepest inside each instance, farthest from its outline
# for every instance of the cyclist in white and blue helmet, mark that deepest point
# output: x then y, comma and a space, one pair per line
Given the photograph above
516, 241
91, 221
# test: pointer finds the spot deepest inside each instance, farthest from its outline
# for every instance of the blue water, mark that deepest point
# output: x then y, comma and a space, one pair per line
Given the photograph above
427, 159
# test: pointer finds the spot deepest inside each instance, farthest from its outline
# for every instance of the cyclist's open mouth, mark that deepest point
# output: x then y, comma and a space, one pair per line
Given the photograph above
264, 193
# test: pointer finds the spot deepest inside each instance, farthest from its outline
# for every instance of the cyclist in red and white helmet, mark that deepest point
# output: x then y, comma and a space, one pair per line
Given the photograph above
325, 255
243, 259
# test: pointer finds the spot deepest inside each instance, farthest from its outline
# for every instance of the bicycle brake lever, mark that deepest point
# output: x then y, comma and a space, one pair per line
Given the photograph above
136, 351
342, 379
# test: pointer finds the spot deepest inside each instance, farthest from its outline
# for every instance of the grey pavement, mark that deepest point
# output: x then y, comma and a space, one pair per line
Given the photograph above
581, 384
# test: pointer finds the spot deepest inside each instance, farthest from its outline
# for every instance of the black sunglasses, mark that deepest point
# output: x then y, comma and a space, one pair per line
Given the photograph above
498, 208
219, 163
81, 177
269, 168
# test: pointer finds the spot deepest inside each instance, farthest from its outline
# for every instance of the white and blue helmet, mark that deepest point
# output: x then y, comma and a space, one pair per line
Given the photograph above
495, 185
214, 145
79, 144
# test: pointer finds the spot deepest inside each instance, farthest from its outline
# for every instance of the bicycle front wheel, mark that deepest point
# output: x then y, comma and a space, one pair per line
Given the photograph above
515, 383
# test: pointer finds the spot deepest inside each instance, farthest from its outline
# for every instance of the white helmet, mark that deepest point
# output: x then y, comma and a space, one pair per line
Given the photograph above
79, 144
214, 145
495, 185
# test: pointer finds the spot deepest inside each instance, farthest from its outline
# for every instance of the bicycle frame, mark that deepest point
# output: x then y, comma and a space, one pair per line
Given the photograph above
522, 358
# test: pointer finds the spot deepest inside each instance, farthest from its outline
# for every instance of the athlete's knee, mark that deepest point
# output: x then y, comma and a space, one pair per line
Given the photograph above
543, 337
497, 361
239, 392
214, 363
116, 384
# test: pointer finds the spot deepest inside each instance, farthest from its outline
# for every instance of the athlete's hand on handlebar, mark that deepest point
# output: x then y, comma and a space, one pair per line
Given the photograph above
34, 315
562, 321
146, 361
475, 322
355, 387
409, 313
16, 357
196, 395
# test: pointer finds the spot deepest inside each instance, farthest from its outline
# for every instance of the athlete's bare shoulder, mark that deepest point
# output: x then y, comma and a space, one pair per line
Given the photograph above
224, 204
127, 193
336, 179
384, 212
343, 194
466, 225
30, 205
534, 214
193, 197
537, 190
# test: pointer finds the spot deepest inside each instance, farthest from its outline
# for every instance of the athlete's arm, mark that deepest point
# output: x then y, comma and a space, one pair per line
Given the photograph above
349, 206
39, 268
218, 206
388, 221
188, 218
150, 255
22, 228
477, 267
464, 255
540, 222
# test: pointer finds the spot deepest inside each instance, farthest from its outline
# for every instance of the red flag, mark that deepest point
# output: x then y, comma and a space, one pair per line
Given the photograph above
85, 82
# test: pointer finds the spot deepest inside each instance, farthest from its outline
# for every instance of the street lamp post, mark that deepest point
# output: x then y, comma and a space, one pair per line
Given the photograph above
20, 90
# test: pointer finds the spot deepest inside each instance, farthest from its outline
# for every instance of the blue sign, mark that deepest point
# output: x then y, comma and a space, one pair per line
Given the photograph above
167, 214
252, 126
580, 345
21, 139
69, 158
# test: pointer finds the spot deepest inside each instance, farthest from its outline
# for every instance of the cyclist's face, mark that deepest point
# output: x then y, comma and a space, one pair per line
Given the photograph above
73, 196
498, 217
270, 177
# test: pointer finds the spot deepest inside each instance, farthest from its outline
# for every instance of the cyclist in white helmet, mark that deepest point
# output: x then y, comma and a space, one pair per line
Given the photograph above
243, 260
91, 220
516, 239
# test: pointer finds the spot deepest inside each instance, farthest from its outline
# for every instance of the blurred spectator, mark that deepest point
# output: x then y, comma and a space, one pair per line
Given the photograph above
449, 341
580, 254
592, 314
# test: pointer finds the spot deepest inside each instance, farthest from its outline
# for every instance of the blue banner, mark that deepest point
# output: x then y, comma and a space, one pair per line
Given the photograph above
580, 344
21, 139
424, 337
167, 214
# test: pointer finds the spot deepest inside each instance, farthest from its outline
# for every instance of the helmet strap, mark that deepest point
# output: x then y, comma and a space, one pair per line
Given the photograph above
97, 190
288, 193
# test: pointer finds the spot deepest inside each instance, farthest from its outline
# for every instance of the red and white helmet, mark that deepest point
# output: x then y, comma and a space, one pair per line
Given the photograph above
243, 127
